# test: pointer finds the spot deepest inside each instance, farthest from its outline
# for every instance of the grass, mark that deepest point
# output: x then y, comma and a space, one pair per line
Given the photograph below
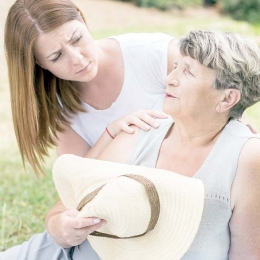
24, 200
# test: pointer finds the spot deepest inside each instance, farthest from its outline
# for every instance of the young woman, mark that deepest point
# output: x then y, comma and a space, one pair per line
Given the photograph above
66, 87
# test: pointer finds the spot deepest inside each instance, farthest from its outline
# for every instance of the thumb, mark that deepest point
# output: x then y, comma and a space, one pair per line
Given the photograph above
72, 213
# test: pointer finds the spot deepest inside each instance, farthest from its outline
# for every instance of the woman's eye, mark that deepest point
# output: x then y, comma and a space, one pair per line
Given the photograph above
78, 39
190, 73
56, 58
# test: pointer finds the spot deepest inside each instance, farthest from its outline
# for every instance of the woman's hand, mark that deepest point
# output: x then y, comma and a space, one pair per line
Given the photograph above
143, 119
67, 229
251, 127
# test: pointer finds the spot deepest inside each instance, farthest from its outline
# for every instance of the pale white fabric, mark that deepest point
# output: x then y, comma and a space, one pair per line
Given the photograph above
145, 63
212, 240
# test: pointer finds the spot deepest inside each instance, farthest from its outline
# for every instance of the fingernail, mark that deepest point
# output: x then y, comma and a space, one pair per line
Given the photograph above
147, 127
96, 220
155, 124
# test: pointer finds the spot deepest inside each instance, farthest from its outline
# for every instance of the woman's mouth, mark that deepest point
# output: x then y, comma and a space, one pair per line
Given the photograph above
168, 95
83, 70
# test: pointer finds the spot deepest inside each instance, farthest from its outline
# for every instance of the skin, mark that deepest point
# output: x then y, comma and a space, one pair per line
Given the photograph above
192, 137
97, 70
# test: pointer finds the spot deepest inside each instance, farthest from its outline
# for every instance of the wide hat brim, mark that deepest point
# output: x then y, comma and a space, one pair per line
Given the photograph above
181, 206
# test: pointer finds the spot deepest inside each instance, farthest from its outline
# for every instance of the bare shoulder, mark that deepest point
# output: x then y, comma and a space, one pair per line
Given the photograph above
173, 51
120, 149
245, 197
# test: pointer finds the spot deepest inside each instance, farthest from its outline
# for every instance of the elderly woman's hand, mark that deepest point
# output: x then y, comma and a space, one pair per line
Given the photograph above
67, 229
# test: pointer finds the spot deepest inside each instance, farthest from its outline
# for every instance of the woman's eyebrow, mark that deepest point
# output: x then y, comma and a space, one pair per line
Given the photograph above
72, 36
68, 42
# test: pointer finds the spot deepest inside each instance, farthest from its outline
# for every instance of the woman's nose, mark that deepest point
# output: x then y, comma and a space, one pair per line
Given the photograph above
76, 56
172, 79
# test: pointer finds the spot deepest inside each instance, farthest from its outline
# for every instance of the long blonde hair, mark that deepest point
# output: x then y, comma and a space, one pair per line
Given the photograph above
41, 103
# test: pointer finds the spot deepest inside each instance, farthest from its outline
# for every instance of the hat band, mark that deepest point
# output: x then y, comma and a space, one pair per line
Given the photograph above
153, 198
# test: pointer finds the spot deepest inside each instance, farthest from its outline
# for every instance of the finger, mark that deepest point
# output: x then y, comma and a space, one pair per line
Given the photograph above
137, 121
93, 228
90, 229
146, 121
252, 128
85, 222
157, 114
128, 129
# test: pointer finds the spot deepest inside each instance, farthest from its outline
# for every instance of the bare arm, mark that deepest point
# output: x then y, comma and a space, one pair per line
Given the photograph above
245, 193
62, 224
120, 149
70, 142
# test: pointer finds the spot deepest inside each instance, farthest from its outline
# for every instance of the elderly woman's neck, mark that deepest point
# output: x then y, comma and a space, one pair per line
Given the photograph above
197, 133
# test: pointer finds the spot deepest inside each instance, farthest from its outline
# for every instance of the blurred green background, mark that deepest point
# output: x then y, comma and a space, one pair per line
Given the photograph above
24, 200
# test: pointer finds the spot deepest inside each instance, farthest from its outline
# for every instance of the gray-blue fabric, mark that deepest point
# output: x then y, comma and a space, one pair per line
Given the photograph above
212, 240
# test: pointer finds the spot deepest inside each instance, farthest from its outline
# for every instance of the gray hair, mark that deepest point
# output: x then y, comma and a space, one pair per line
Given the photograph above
235, 59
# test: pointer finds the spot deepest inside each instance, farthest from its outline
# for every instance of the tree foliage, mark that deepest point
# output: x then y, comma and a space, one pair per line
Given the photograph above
166, 4
248, 10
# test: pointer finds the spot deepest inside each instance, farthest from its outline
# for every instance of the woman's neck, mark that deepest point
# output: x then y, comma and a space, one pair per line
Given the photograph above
197, 133
187, 145
104, 89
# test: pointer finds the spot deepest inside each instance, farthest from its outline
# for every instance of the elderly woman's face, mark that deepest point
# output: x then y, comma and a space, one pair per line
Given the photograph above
189, 89
69, 52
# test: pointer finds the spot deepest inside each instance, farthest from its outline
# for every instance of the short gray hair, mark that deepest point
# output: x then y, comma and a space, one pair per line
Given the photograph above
235, 59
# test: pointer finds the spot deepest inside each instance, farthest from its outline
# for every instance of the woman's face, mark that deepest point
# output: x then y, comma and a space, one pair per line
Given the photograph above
189, 89
69, 52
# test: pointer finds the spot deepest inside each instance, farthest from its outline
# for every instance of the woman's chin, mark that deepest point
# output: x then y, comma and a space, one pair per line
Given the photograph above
169, 109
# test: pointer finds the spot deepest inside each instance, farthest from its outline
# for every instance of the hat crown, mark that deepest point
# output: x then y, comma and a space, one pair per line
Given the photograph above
129, 219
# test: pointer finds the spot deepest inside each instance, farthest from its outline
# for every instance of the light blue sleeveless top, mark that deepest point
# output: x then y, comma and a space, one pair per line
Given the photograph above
212, 240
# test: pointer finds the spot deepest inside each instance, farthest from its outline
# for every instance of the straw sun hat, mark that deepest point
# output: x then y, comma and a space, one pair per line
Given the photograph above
151, 214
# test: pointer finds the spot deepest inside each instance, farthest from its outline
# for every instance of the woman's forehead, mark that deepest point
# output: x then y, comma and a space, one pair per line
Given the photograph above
65, 30
50, 41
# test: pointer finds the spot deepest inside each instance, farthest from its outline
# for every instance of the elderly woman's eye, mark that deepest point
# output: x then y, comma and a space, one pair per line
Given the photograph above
191, 73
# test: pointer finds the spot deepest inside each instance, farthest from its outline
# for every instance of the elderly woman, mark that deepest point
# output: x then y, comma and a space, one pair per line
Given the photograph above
215, 78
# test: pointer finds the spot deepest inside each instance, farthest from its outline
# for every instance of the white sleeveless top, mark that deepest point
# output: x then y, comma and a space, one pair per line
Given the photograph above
145, 63
212, 240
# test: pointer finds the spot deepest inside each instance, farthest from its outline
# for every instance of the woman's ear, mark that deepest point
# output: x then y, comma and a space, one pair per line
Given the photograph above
228, 99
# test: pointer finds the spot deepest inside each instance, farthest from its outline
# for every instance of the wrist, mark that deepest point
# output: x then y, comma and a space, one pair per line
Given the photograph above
109, 133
